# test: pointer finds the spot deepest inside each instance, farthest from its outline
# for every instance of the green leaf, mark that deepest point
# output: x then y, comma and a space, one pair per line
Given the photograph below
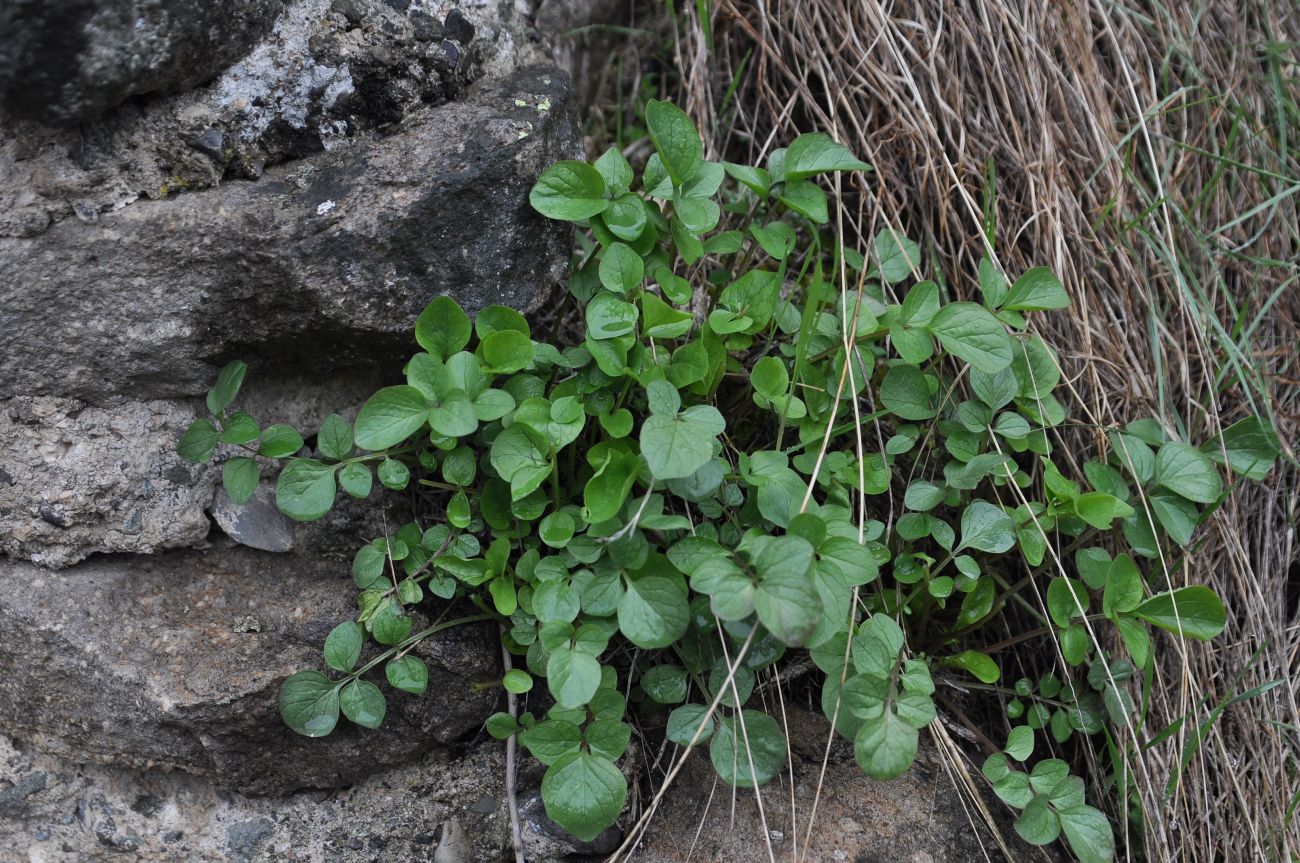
1100, 509
363, 703
1196, 612
1067, 598
239, 429
609, 317
684, 723
309, 703
621, 270
817, 153
343, 646
1020, 743
1251, 447
279, 441
1187, 471
626, 217
980, 666
584, 793
896, 255
305, 490
885, 746
675, 447
239, 476
665, 684
1038, 823
807, 199
199, 442
748, 749
906, 394
552, 739
653, 612
408, 674
757, 179
675, 139
608, 738
390, 416
517, 680
1089, 833
1036, 290
506, 352
572, 676
520, 460
777, 239
223, 392
569, 191
971, 332
662, 321
987, 528
1176, 514
393, 474
1123, 587
442, 328
355, 479
614, 168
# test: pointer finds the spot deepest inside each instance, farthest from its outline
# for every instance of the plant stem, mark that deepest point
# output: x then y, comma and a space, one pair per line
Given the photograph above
512, 800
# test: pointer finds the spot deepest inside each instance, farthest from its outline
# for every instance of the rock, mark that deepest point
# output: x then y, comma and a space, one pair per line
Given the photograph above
77, 479
544, 838
155, 663
325, 73
454, 846
258, 523
916, 818
62, 61
330, 258
393, 815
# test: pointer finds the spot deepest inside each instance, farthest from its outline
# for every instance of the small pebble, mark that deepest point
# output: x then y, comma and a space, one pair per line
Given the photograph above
42, 835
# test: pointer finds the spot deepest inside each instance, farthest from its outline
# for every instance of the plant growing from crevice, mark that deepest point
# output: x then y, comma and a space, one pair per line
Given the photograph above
754, 442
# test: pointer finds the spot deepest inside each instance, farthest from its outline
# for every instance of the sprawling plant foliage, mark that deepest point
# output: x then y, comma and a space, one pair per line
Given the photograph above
752, 449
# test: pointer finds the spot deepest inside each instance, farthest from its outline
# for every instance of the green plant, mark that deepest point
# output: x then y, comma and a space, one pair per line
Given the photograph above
734, 459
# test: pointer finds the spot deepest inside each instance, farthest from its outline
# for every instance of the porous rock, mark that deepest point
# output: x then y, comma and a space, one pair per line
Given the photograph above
332, 255
67, 60
174, 661
76, 479
70, 813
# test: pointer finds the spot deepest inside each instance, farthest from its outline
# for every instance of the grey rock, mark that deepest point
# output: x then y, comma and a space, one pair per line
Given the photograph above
14, 798
80, 479
63, 61
332, 256
138, 663
258, 523
396, 812
317, 79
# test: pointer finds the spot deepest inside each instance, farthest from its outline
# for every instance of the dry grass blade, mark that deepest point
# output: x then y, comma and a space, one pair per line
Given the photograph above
1146, 152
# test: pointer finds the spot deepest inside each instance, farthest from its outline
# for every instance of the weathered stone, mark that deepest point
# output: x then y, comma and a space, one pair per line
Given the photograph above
257, 523
325, 73
332, 257
391, 817
67, 60
175, 661
916, 818
77, 479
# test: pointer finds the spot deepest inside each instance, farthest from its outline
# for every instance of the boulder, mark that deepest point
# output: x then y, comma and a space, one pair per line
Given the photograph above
75, 478
174, 661
62, 61
321, 259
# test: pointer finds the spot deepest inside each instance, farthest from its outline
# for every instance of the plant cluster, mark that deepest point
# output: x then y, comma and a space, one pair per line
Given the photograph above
739, 457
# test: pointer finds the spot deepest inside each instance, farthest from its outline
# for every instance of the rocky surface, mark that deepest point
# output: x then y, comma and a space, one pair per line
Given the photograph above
326, 71
917, 818
53, 811
174, 661
338, 168
331, 255
67, 60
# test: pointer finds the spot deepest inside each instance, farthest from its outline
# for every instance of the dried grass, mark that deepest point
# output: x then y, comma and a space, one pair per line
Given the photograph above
1145, 152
